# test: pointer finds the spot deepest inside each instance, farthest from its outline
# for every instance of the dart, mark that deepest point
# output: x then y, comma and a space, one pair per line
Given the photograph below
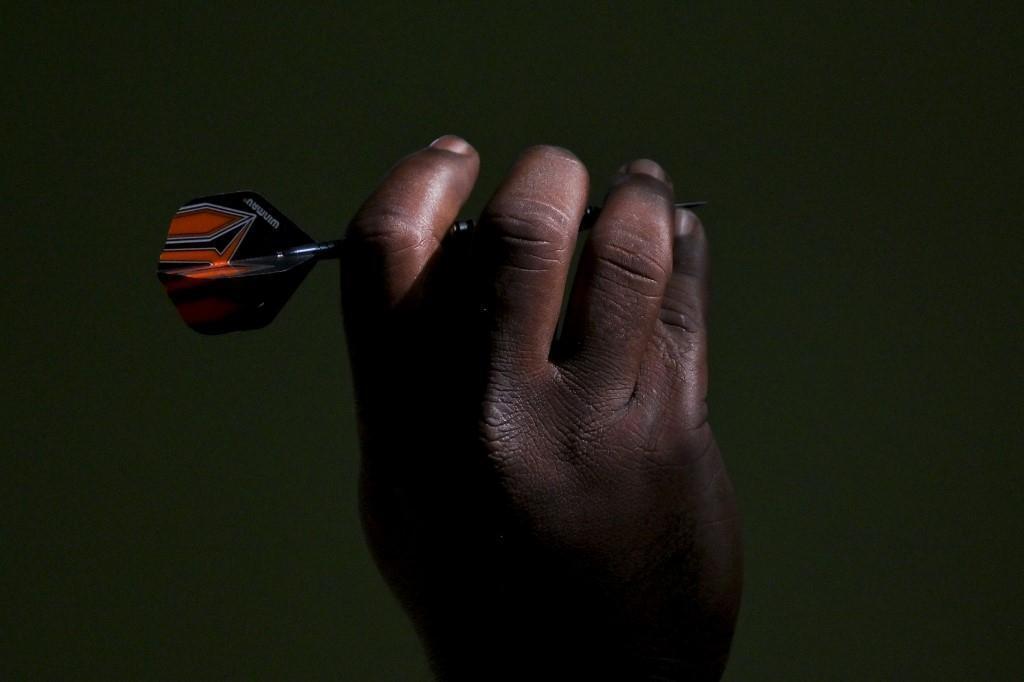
231, 261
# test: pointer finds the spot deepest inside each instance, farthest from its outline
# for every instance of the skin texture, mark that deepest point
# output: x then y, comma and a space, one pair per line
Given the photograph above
544, 506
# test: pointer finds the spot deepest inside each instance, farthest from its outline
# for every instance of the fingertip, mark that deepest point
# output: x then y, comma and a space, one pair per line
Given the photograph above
453, 143
554, 172
644, 167
687, 224
690, 247
550, 150
455, 157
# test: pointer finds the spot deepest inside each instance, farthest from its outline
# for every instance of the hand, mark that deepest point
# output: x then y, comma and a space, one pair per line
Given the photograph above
543, 507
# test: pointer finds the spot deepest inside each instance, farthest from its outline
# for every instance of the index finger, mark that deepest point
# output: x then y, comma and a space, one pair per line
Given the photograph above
397, 230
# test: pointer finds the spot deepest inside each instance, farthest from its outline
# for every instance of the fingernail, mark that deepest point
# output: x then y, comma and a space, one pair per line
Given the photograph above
646, 167
451, 143
686, 222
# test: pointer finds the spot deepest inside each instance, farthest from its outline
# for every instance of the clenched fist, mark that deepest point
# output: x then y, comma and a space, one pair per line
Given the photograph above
545, 503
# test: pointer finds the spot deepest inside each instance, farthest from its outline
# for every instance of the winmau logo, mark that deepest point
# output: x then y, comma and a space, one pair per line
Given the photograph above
262, 212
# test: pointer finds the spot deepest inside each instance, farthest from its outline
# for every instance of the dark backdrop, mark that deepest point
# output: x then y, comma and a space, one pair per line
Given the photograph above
182, 507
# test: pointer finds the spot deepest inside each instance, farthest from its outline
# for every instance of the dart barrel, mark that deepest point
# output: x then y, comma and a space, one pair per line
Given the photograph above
589, 217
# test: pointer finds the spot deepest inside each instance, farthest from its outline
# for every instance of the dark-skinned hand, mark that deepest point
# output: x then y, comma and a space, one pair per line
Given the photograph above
544, 505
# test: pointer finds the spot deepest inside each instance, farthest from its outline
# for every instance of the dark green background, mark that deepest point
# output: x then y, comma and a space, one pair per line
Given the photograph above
182, 507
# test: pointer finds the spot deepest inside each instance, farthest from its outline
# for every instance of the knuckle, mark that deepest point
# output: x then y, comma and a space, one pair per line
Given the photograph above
499, 422
593, 392
389, 228
683, 312
535, 227
529, 218
632, 265
509, 427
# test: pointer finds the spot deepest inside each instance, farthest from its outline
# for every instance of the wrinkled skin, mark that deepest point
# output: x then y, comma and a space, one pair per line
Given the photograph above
544, 505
